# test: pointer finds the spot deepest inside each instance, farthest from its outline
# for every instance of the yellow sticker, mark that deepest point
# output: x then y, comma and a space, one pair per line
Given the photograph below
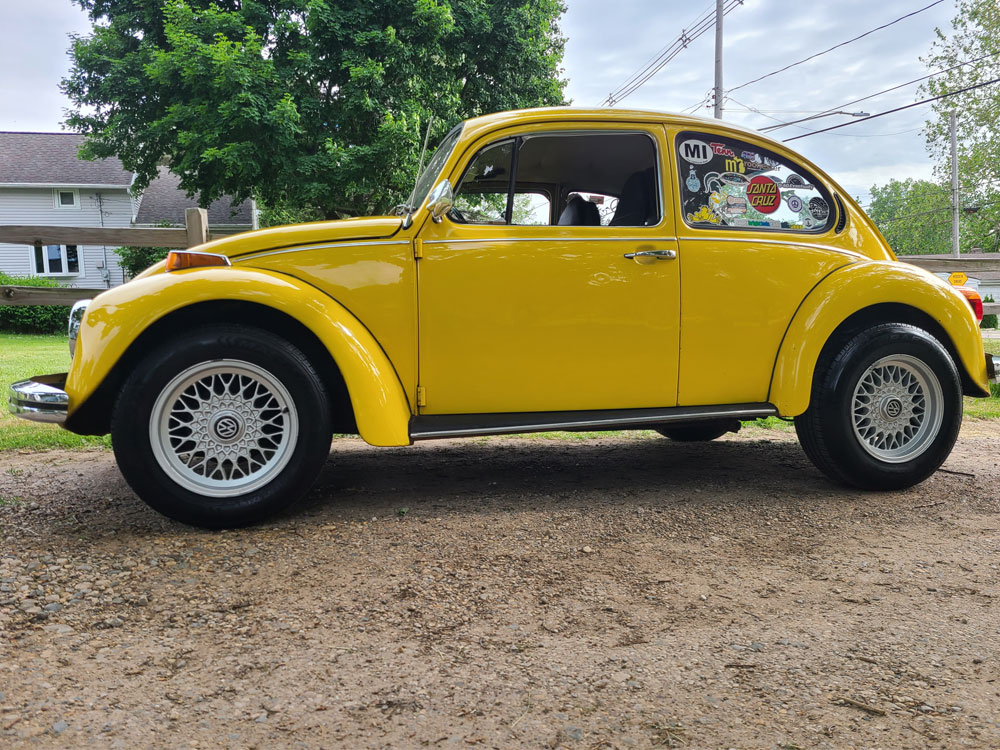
702, 215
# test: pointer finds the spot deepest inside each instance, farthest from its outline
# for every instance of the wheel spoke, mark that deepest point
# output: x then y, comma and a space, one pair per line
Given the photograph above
896, 408
224, 427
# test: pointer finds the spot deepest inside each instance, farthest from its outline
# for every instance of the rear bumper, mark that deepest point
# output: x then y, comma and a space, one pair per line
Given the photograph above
40, 399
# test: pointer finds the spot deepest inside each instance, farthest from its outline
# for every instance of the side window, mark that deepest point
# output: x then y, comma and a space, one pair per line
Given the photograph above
481, 197
567, 179
729, 183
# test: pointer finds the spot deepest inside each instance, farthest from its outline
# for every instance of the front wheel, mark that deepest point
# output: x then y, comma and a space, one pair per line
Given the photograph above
885, 408
222, 427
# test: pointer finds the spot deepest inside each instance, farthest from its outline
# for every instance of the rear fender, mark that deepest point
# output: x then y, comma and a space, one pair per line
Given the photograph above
116, 318
852, 289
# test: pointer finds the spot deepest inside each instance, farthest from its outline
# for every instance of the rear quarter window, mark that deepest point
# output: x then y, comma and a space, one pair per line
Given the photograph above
731, 184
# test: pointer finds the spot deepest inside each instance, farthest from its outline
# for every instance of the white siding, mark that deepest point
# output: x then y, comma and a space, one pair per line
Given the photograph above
35, 206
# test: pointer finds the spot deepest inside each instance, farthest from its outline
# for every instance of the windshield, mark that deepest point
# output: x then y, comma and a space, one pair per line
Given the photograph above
426, 180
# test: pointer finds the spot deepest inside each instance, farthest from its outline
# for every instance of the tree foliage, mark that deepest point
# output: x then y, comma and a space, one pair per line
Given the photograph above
135, 260
303, 103
975, 34
914, 216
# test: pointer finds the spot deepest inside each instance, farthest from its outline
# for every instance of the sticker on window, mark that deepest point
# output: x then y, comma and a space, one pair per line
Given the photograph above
728, 183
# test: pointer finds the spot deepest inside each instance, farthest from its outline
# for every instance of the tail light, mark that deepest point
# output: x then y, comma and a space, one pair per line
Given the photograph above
974, 299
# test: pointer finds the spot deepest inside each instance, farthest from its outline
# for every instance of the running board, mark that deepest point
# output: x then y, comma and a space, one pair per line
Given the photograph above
428, 427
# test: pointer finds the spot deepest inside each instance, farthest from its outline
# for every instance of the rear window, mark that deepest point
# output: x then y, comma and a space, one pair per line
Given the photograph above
730, 184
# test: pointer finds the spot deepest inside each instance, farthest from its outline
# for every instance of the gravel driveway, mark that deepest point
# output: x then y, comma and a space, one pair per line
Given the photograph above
604, 593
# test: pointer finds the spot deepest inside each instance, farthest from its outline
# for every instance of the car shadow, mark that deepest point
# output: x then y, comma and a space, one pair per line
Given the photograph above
465, 475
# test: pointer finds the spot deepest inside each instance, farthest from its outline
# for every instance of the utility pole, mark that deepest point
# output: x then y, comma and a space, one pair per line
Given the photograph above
718, 59
952, 122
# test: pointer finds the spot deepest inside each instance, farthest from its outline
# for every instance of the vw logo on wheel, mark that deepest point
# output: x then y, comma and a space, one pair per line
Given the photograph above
227, 427
893, 408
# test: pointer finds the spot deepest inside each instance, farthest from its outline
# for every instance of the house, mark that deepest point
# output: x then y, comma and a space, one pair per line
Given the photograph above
44, 182
164, 202
987, 283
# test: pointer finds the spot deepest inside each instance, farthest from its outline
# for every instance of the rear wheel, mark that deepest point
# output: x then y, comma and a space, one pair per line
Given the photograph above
697, 432
222, 427
885, 409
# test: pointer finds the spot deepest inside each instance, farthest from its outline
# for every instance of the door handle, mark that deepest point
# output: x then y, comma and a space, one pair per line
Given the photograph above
657, 254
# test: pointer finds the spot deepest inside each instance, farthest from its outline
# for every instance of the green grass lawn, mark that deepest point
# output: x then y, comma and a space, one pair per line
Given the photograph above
986, 408
22, 356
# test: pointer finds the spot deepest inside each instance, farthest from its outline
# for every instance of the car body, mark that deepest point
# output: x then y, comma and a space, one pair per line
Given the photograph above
589, 269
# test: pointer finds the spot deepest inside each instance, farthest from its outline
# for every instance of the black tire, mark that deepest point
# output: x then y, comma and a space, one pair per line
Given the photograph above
699, 432
222, 426
885, 408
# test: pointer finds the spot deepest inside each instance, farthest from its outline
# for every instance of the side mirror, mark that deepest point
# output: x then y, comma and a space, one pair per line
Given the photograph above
440, 200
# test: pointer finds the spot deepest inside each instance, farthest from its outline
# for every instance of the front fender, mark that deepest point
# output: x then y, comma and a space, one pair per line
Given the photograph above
116, 318
852, 289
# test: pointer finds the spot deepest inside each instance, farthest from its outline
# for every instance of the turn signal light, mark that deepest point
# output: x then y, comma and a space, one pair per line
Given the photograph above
974, 299
178, 260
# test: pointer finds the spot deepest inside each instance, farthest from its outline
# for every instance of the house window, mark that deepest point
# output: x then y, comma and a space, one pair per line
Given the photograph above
66, 198
55, 260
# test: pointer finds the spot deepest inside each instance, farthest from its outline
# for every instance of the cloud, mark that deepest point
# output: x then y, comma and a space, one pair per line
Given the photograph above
605, 48
34, 59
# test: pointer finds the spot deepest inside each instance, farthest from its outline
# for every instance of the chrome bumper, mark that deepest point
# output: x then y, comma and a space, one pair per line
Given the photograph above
40, 399
991, 369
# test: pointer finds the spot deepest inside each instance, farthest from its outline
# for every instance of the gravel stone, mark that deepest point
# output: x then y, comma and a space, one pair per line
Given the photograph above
723, 603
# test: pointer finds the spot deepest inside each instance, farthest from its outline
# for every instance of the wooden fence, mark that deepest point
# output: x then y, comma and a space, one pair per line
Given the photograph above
195, 232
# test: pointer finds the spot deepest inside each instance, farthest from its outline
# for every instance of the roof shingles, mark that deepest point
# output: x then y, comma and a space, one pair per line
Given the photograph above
164, 201
52, 159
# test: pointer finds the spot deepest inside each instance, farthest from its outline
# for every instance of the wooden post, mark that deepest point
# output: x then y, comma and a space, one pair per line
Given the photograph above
196, 221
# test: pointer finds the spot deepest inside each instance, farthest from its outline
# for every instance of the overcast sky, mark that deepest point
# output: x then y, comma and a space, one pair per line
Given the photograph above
607, 42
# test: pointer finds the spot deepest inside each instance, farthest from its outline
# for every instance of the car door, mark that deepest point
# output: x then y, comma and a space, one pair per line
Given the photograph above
518, 314
755, 230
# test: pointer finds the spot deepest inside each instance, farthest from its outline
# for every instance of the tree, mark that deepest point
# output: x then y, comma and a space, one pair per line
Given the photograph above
975, 34
308, 104
914, 216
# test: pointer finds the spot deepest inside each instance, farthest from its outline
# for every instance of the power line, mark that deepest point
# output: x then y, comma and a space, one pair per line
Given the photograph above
693, 107
836, 46
668, 53
653, 60
649, 69
897, 109
911, 216
925, 213
886, 91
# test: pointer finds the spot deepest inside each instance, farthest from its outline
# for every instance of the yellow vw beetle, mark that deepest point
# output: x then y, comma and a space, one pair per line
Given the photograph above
555, 269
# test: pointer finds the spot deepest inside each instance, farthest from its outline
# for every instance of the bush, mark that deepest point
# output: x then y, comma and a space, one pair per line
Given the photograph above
135, 260
34, 318
989, 321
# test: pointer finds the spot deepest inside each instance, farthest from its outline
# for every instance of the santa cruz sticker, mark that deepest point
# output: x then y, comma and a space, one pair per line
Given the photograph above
763, 195
695, 152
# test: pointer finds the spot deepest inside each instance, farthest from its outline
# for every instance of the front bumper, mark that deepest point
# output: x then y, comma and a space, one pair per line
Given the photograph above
41, 399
